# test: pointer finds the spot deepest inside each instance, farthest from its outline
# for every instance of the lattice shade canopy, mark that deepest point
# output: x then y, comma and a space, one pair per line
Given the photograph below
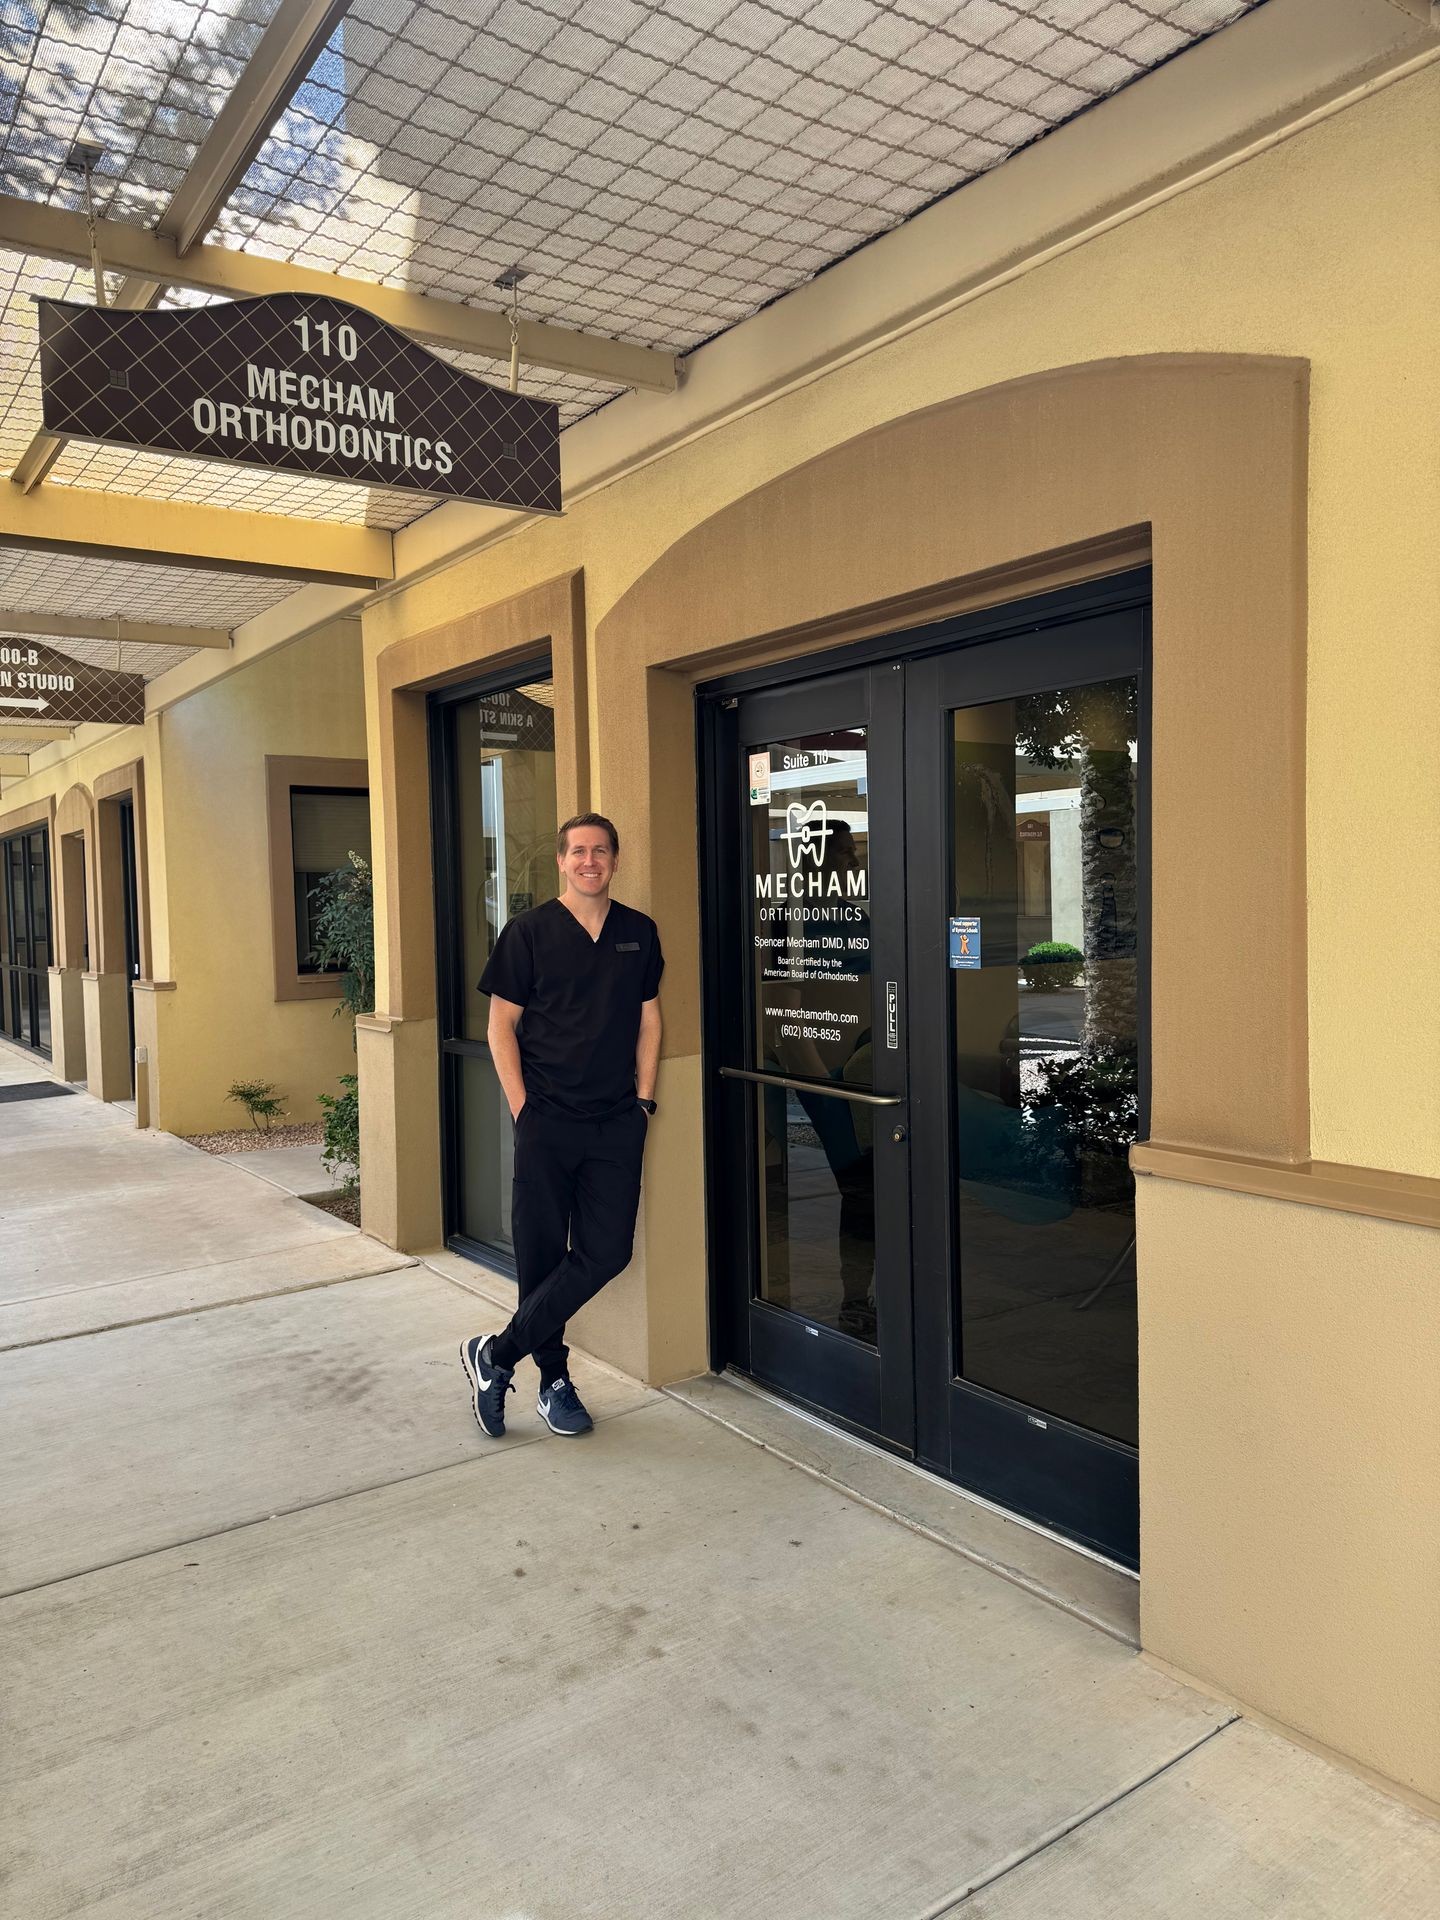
660, 169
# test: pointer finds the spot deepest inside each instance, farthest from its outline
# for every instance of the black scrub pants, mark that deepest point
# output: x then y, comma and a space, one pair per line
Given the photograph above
576, 1195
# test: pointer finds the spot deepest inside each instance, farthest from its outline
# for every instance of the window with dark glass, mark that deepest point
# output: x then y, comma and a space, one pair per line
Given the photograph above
327, 825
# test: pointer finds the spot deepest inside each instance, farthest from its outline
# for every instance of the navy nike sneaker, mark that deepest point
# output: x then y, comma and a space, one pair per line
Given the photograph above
489, 1384
562, 1409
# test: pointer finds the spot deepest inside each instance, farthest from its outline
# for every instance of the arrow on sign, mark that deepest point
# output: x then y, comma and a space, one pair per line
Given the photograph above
35, 706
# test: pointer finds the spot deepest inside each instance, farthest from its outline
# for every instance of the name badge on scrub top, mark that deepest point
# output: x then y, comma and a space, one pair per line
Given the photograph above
627, 946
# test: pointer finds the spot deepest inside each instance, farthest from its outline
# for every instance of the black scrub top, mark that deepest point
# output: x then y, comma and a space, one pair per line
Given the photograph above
582, 1001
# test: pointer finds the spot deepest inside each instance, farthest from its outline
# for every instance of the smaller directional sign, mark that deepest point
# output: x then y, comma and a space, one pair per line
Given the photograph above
36, 683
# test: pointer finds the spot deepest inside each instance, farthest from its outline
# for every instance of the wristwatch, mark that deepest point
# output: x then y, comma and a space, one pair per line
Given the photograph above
649, 1105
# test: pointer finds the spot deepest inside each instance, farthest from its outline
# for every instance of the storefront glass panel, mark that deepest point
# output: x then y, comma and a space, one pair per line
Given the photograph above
495, 820
1046, 1054
25, 863
812, 994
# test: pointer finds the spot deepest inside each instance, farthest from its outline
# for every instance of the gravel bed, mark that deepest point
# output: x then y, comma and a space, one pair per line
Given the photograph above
251, 1140
345, 1206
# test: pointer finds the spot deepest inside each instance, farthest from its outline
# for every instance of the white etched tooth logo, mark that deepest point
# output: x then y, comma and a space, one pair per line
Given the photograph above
805, 831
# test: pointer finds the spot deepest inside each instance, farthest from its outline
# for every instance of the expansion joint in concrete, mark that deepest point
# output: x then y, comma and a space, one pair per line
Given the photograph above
960, 1897
185, 1313
516, 1444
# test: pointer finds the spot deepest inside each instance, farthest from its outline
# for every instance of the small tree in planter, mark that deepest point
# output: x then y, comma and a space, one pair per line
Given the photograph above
345, 937
260, 1101
341, 1152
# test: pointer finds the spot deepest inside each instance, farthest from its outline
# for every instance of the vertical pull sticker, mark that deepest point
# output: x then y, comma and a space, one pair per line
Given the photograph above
892, 1015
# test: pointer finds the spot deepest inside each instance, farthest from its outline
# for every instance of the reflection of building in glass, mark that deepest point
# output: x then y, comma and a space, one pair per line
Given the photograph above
1047, 855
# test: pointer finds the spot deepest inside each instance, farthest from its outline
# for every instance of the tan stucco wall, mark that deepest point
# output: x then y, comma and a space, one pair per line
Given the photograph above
222, 1023
1283, 1346
1325, 249
1290, 1465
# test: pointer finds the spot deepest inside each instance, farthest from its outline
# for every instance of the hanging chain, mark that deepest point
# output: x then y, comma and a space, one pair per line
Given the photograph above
515, 339
96, 265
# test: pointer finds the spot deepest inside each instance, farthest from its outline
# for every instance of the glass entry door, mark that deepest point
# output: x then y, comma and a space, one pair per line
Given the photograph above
25, 931
927, 1045
494, 823
813, 1068
1025, 909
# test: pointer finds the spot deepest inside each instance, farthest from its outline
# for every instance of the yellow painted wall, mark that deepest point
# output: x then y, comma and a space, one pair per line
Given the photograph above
81, 761
69, 765
223, 1022
1326, 248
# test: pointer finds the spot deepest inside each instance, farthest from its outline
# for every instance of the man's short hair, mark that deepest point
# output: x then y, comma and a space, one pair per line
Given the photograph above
562, 838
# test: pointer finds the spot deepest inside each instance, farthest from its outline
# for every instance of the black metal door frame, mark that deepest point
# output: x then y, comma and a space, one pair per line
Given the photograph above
449, 984
1109, 615
130, 897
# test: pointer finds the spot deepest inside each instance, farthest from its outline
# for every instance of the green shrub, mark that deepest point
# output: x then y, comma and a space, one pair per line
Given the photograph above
345, 933
1053, 963
260, 1101
1092, 1099
341, 1152
345, 937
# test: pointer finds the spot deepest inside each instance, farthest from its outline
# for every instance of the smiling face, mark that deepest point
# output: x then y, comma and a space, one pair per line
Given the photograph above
588, 863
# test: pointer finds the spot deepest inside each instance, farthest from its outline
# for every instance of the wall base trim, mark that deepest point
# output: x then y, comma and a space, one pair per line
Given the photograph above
1410, 1198
1393, 1789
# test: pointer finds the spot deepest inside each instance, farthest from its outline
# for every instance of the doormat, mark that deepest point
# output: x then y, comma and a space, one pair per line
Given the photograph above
34, 1090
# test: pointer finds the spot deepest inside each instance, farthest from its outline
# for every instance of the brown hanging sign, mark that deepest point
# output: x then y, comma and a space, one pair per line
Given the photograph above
36, 683
295, 383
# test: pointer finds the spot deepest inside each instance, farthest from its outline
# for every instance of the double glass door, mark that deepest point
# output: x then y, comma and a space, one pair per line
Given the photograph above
25, 947
927, 1047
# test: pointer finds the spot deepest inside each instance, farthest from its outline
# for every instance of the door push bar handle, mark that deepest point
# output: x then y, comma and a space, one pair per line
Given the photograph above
815, 1086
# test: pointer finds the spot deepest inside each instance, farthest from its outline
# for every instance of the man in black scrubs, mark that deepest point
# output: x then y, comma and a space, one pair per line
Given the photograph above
575, 1036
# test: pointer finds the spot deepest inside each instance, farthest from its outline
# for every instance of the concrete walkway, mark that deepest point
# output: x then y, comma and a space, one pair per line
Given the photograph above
285, 1638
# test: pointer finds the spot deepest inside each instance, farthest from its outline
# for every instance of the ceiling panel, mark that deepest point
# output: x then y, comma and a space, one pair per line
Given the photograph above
141, 79
137, 590
659, 170
662, 171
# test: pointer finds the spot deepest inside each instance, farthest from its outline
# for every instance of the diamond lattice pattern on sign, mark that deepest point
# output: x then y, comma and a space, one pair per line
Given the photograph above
128, 470
664, 170
229, 382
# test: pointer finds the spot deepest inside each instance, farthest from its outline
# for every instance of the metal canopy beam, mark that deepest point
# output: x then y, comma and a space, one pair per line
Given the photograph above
38, 736
54, 234
123, 526
283, 56
135, 633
